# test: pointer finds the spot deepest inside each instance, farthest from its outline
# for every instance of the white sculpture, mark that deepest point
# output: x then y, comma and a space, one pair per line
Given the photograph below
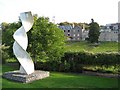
21, 43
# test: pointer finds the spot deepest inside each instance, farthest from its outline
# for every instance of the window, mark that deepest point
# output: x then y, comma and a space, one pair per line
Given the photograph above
68, 30
78, 30
78, 35
64, 30
68, 34
74, 35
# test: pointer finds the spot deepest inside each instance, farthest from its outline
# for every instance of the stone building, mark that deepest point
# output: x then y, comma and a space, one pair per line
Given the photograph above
73, 33
108, 35
84, 34
109, 32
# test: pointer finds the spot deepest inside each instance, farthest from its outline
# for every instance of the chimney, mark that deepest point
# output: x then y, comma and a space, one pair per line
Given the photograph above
83, 26
73, 25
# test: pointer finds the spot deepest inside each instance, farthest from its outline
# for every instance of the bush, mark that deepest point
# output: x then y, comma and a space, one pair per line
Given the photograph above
79, 61
75, 61
3, 53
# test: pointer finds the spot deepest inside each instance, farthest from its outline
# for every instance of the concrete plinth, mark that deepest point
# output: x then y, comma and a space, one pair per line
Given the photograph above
21, 77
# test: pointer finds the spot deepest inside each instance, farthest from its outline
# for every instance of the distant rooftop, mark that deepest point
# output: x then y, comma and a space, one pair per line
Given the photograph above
68, 27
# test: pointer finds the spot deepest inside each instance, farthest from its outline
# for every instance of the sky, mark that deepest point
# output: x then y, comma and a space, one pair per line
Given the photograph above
102, 11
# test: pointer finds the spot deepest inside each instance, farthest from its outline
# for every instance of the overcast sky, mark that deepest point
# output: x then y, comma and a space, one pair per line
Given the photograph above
102, 11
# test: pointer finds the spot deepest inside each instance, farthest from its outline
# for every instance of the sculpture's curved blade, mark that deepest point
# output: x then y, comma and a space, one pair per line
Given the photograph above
21, 42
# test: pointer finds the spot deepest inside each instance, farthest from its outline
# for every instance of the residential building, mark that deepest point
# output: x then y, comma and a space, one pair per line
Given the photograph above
84, 34
109, 32
73, 33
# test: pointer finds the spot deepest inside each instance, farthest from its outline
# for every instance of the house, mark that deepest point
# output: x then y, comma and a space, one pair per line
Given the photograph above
84, 34
109, 32
108, 35
73, 33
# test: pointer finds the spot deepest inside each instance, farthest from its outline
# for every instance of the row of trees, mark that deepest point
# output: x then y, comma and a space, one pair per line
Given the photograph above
86, 25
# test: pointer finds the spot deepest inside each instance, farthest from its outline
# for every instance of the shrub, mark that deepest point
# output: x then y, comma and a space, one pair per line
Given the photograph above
79, 61
3, 53
75, 61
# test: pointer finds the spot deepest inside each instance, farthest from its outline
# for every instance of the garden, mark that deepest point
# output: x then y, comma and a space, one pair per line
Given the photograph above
69, 71
71, 64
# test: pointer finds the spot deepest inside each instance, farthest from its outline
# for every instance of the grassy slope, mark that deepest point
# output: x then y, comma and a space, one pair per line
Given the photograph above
84, 46
63, 80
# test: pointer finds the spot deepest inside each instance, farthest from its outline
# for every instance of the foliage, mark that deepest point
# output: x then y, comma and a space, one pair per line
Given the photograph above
94, 32
46, 40
93, 59
8, 30
3, 54
86, 26
65, 23
78, 61
4, 26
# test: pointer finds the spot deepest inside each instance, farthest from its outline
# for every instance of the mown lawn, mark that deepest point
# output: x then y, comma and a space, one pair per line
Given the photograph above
63, 80
0, 76
85, 46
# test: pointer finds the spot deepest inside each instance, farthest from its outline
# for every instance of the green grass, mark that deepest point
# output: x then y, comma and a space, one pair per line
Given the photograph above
110, 69
0, 76
85, 46
63, 80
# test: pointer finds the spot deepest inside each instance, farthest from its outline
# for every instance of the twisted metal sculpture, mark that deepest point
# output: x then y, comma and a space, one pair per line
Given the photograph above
21, 43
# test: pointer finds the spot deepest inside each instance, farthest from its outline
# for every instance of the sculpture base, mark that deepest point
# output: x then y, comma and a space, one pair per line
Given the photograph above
21, 77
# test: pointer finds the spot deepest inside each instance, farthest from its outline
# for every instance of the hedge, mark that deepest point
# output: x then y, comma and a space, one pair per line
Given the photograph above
75, 61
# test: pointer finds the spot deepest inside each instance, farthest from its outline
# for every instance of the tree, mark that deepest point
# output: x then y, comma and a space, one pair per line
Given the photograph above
4, 26
8, 30
3, 54
65, 23
94, 32
46, 40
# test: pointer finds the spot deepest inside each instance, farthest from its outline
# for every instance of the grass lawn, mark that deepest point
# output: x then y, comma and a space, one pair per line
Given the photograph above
85, 46
0, 75
63, 80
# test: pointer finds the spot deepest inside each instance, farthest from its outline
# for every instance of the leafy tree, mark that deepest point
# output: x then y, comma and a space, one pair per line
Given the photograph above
86, 26
46, 40
4, 26
8, 30
65, 23
94, 32
3, 54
